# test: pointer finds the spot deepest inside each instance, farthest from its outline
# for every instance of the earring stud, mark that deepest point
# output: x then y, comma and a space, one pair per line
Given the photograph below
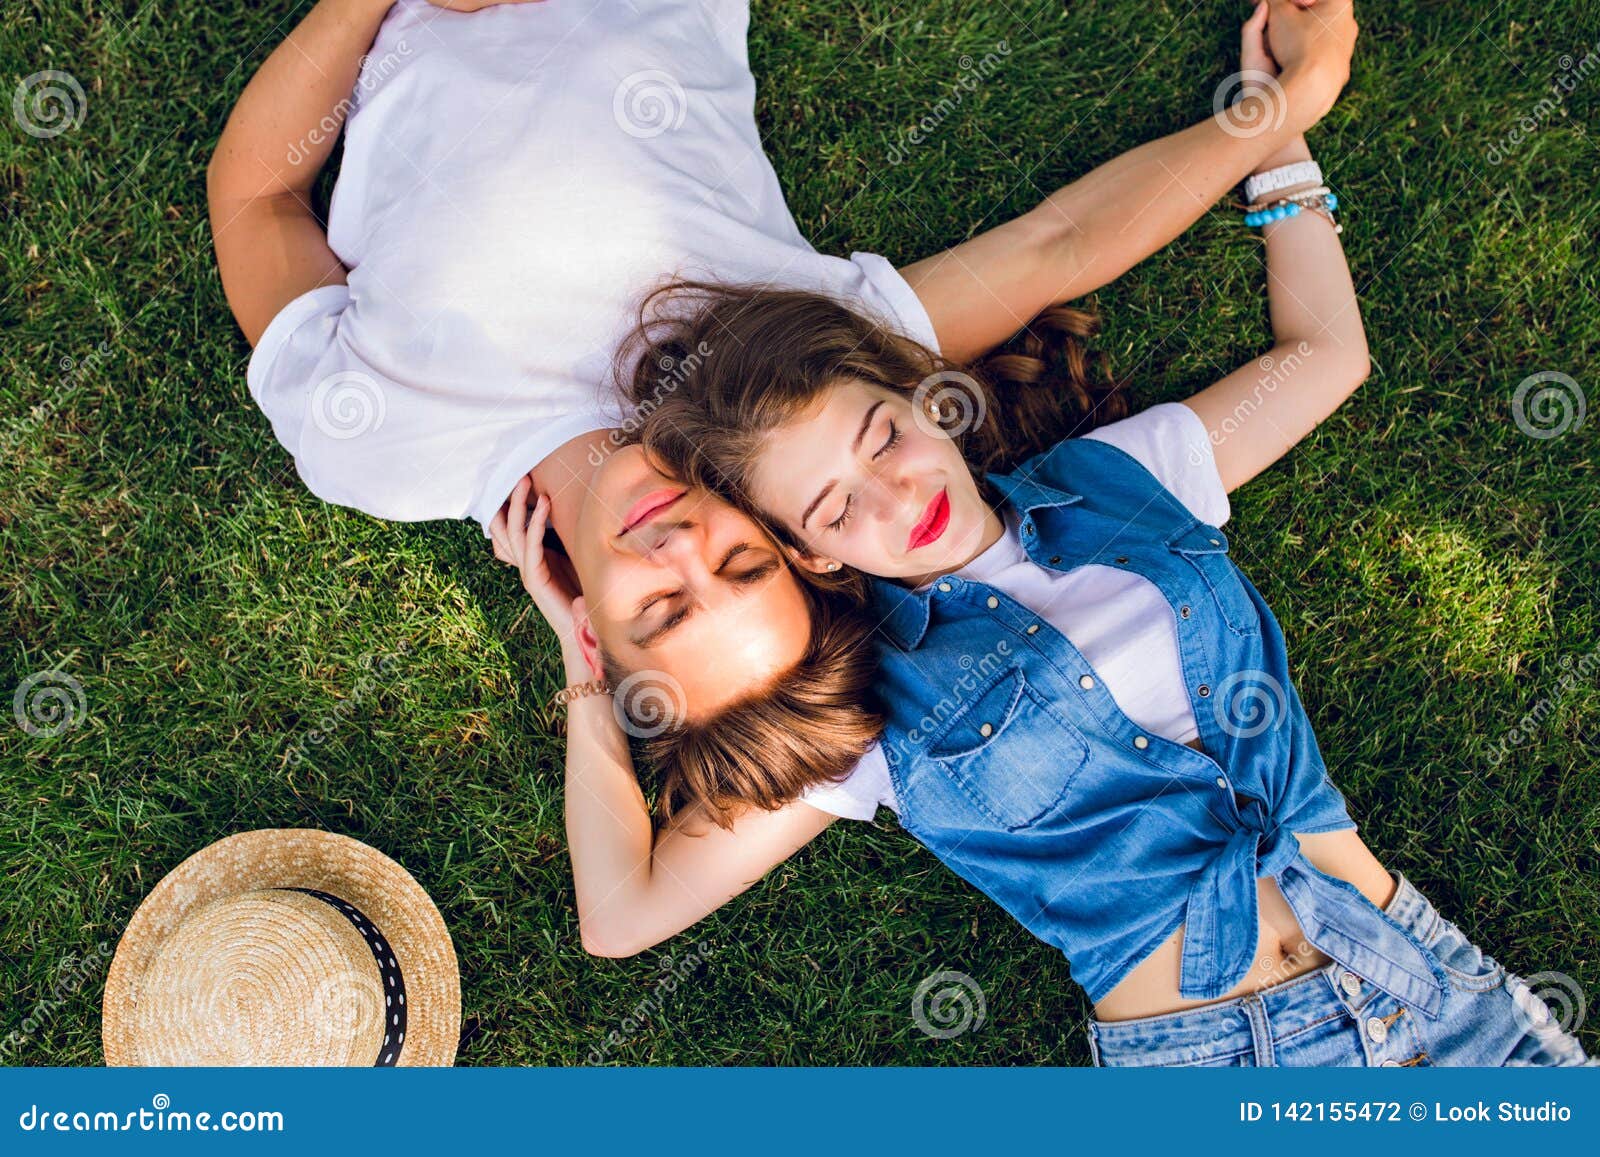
833, 566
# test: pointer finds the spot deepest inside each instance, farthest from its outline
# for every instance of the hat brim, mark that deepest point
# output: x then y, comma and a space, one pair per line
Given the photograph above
297, 858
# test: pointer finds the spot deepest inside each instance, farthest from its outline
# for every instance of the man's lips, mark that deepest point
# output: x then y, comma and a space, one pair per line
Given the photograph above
649, 506
932, 523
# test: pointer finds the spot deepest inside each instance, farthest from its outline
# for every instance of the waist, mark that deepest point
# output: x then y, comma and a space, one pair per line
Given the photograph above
1282, 951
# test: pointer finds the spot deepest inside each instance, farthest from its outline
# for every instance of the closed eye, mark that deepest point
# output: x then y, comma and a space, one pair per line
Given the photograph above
890, 442
844, 515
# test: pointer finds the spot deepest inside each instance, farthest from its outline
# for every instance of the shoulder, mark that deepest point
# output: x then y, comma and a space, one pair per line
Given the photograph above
1170, 444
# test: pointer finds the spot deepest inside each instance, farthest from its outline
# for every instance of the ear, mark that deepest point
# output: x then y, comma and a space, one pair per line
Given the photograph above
815, 563
588, 641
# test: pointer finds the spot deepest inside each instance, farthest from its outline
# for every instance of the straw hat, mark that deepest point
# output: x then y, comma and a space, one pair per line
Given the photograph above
284, 947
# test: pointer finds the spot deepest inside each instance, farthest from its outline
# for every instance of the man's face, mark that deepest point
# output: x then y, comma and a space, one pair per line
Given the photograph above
678, 582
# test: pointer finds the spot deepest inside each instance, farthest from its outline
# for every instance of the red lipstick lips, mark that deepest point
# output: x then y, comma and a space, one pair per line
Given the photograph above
932, 523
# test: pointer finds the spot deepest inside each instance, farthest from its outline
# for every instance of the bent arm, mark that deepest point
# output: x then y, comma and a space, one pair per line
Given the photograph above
1319, 353
1092, 231
270, 246
635, 887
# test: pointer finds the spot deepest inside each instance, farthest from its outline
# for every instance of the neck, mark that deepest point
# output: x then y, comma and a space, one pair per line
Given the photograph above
565, 474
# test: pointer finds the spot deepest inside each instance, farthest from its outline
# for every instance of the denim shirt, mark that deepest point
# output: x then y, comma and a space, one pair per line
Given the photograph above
1012, 763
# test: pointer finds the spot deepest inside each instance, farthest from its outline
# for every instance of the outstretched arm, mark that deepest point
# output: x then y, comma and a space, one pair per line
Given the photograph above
635, 886
1092, 231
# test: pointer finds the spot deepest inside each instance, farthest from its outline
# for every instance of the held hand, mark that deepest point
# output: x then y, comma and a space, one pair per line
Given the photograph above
1312, 47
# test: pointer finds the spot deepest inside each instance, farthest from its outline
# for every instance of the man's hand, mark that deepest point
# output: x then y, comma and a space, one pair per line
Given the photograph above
1312, 46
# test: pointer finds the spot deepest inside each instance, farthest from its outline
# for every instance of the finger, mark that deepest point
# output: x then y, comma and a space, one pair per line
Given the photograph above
498, 535
533, 548
517, 516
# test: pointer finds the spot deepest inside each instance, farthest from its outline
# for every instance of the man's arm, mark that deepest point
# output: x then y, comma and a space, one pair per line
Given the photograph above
270, 246
1092, 231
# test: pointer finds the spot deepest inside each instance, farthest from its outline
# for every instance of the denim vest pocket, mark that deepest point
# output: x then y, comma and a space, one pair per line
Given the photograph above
1011, 754
1205, 548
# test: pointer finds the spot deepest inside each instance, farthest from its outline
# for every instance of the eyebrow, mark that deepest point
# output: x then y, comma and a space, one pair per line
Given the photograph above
855, 446
675, 620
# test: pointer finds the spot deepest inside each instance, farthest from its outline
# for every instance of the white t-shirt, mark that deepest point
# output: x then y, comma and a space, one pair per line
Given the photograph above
513, 181
1120, 621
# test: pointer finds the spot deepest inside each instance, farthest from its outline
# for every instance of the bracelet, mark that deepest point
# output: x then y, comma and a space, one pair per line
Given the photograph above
1321, 201
567, 694
1282, 177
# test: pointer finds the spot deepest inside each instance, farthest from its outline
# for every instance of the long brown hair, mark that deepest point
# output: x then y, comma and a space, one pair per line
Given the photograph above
712, 369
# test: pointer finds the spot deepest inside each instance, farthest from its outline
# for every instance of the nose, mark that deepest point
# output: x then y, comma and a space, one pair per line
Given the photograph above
885, 498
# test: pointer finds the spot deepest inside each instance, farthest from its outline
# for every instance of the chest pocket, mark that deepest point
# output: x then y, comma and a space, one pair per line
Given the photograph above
1205, 548
1009, 752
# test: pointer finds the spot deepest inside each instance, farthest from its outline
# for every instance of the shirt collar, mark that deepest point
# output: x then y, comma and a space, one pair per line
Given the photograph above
903, 613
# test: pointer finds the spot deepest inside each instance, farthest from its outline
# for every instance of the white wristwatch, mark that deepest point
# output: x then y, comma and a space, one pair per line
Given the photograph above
1299, 173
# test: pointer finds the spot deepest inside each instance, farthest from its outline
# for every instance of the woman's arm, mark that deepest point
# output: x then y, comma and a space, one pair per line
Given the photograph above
1092, 231
1319, 353
636, 887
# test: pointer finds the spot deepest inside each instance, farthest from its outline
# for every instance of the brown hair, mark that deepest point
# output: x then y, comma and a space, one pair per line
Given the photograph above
811, 725
712, 369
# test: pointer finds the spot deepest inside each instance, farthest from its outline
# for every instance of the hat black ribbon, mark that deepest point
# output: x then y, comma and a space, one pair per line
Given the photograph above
394, 984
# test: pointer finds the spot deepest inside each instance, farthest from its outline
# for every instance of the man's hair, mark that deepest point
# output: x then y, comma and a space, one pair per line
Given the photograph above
809, 726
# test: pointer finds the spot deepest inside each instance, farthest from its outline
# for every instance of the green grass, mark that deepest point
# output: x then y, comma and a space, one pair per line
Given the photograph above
1432, 565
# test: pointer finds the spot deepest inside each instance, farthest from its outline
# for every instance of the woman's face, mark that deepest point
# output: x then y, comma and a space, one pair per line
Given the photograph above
863, 480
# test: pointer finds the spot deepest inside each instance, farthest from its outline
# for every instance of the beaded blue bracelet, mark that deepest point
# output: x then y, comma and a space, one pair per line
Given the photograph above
1258, 217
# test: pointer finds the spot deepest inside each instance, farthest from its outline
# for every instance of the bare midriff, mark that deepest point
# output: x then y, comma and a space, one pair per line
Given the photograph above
1282, 951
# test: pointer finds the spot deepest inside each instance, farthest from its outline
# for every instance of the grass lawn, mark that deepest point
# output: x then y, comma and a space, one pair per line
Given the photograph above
1435, 567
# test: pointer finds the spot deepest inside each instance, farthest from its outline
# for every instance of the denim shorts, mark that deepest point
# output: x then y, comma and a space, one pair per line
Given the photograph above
1333, 1017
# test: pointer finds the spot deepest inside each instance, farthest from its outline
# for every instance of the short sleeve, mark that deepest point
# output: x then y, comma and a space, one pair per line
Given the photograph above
1171, 442
896, 298
290, 358
857, 796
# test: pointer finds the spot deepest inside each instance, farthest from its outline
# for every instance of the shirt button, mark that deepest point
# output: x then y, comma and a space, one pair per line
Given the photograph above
1033, 628
1377, 1030
1351, 983
1086, 682
1120, 559
1216, 542
1055, 558
1184, 612
1203, 690
1140, 742
986, 730
945, 587
1222, 783
992, 602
